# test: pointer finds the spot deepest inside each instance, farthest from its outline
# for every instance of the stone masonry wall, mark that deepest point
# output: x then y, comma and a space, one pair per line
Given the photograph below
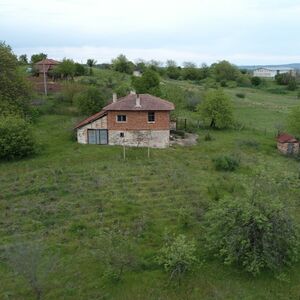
140, 138
82, 137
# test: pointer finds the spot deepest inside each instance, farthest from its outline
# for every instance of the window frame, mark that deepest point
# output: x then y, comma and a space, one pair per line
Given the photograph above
117, 118
151, 112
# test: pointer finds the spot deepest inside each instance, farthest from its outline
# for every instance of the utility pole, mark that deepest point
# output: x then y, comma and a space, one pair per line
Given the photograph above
45, 80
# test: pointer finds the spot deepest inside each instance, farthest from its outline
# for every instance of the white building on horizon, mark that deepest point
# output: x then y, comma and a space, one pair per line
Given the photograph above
271, 72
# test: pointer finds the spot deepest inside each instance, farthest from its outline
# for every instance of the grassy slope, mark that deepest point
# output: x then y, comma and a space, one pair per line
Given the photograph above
64, 195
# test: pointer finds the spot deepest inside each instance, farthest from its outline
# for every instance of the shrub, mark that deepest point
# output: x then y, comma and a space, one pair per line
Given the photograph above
208, 137
29, 261
255, 232
116, 252
226, 163
70, 90
89, 101
16, 138
178, 256
240, 95
294, 120
193, 100
256, 81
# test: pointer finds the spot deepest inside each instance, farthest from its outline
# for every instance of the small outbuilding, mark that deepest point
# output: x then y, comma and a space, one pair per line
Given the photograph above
287, 144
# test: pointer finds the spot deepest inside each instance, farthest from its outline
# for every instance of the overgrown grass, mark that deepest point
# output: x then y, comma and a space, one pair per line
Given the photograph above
68, 193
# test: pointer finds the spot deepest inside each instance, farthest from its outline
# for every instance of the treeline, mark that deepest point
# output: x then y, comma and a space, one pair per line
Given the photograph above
16, 113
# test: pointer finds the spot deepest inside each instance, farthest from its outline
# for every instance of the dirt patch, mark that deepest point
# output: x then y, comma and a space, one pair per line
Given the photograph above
190, 139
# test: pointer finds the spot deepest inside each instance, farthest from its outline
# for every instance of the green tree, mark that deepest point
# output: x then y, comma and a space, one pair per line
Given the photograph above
149, 82
79, 69
256, 81
23, 60
37, 57
294, 120
217, 109
91, 63
292, 84
16, 138
190, 71
15, 90
89, 101
255, 231
177, 256
224, 70
172, 70
122, 64
66, 69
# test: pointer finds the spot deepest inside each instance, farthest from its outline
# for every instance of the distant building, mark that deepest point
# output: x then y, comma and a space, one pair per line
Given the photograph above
271, 72
46, 65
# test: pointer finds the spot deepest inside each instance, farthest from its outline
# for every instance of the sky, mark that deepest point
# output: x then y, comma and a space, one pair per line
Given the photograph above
245, 32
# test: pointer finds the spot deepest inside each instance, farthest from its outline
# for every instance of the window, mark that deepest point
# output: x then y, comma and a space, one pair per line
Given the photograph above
151, 117
121, 118
122, 134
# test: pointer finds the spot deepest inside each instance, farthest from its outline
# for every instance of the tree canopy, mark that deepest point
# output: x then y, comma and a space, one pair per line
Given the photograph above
149, 82
122, 64
294, 120
37, 57
217, 109
14, 88
254, 231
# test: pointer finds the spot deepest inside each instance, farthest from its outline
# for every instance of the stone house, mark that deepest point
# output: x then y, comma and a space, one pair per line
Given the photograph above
287, 144
134, 120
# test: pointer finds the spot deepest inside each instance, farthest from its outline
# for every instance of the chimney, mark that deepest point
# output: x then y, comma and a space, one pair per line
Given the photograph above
138, 101
115, 99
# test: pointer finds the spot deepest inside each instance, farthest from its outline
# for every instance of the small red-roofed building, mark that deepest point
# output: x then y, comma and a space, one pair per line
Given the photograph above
287, 144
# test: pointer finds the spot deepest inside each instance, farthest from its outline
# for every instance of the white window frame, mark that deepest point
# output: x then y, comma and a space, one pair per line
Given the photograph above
151, 122
121, 121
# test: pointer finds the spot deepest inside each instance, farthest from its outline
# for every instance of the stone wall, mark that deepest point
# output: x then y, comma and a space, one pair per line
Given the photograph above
140, 138
284, 148
82, 137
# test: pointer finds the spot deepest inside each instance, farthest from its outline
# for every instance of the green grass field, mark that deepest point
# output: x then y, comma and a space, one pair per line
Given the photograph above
65, 195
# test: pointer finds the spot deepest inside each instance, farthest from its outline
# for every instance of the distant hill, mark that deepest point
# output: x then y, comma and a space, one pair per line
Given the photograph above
294, 66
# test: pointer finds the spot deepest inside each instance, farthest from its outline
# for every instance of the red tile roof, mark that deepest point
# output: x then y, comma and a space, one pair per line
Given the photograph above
48, 61
148, 102
286, 138
128, 103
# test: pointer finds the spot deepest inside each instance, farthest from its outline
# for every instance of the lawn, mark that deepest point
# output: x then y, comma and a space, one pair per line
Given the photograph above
66, 194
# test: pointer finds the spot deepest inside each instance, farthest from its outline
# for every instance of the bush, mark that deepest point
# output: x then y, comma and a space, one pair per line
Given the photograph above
256, 81
240, 95
226, 163
255, 232
16, 139
89, 101
208, 137
178, 256
70, 90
